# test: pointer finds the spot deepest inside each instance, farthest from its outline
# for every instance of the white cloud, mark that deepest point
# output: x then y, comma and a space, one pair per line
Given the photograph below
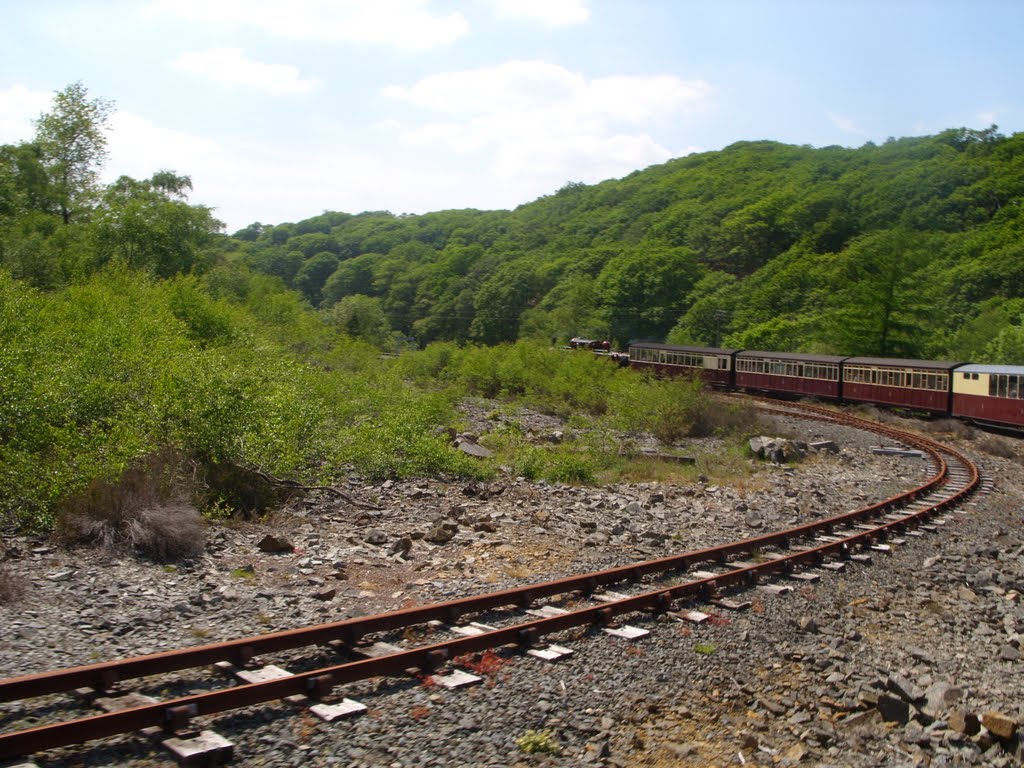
986, 119
550, 13
230, 65
138, 148
403, 24
547, 124
18, 108
845, 124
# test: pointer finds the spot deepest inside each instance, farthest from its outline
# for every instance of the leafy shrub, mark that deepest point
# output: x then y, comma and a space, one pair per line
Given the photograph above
207, 321
429, 365
567, 467
399, 440
539, 742
530, 462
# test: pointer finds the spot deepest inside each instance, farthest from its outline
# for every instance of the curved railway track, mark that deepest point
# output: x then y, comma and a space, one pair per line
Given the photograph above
662, 584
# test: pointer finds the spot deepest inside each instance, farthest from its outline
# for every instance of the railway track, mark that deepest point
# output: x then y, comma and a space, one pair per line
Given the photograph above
371, 647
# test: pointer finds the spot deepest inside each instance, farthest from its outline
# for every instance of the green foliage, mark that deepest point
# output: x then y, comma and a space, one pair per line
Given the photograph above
96, 378
361, 317
539, 742
571, 468
670, 409
207, 321
73, 147
150, 225
760, 244
1007, 347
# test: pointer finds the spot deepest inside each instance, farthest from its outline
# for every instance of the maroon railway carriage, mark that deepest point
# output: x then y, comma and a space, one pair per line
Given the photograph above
789, 373
713, 365
989, 394
923, 385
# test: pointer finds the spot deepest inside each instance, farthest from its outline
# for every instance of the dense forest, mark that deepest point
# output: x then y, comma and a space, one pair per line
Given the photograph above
912, 248
140, 345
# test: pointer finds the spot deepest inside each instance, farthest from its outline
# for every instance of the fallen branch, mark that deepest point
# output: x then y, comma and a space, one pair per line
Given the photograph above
306, 488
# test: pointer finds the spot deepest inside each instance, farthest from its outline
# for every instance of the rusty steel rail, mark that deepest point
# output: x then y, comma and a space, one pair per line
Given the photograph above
318, 683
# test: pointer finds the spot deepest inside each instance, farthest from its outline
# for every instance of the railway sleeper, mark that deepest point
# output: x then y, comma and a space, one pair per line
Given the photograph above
344, 709
189, 747
552, 652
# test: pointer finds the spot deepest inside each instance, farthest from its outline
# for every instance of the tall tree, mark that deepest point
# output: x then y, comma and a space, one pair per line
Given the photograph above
72, 138
883, 311
150, 225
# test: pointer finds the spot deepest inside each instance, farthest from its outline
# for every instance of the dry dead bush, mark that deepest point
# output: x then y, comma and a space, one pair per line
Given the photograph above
13, 587
874, 413
997, 446
142, 512
953, 427
723, 416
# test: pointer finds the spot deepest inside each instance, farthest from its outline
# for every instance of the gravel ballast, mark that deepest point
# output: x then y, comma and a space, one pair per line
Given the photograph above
914, 660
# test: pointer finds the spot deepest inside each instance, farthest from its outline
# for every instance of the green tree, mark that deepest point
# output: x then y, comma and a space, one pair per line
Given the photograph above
361, 317
73, 141
644, 291
24, 184
313, 274
150, 225
351, 277
500, 301
1007, 348
883, 312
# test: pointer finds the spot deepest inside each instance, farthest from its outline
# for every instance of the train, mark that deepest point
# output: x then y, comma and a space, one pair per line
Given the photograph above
987, 395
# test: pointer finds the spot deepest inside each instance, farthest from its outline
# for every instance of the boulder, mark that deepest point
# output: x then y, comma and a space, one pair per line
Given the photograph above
376, 536
777, 449
443, 532
1000, 725
275, 544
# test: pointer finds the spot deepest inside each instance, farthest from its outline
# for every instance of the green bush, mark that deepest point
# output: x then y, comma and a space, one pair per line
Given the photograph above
567, 467
98, 376
539, 742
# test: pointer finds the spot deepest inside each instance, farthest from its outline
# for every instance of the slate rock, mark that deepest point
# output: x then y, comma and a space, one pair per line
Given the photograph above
964, 722
443, 532
904, 688
401, 546
474, 449
999, 724
893, 709
275, 544
376, 536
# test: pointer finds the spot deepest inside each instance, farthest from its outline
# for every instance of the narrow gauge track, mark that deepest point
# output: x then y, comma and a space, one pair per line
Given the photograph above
783, 553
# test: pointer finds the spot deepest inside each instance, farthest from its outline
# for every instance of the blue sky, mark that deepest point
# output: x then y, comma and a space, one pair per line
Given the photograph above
281, 110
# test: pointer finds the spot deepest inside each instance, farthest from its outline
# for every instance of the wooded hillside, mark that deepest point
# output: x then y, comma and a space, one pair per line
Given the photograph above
911, 248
